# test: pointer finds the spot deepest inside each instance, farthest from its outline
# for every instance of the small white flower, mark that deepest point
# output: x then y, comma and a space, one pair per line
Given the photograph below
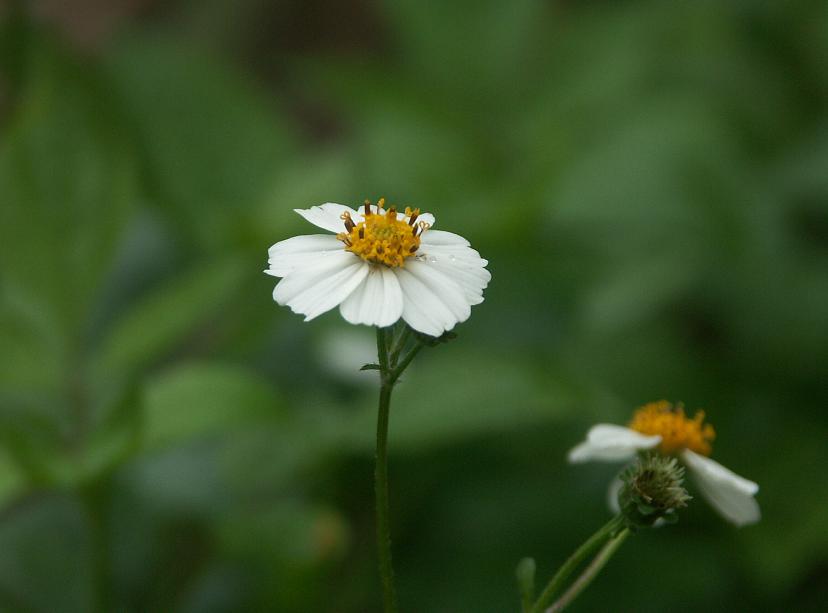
379, 266
662, 427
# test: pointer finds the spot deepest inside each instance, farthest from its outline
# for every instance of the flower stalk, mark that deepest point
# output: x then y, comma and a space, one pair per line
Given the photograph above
386, 570
391, 367
607, 532
591, 571
652, 491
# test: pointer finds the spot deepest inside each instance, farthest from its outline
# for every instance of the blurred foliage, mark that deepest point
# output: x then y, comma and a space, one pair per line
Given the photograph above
647, 180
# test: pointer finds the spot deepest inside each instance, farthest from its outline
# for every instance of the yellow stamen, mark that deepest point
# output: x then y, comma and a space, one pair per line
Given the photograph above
382, 238
677, 431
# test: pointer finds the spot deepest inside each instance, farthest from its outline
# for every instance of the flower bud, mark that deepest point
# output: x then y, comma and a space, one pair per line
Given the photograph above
652, 489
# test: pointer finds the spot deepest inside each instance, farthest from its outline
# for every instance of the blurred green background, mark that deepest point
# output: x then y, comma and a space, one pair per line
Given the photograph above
648, 180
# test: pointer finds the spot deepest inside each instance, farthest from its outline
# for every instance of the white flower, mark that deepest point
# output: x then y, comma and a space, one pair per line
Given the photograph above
664, 428
379, 266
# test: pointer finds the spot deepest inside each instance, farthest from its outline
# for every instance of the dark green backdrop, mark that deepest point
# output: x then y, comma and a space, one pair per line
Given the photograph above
649, 181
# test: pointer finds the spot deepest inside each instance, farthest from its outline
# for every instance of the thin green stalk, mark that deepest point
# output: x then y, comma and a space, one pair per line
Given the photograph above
576, 559
591, 571
399, 344
386, 570
382, 349
525, 575
395, 374
390, 372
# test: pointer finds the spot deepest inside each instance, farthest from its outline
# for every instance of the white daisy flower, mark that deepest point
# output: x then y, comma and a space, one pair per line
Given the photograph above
379, 265
664, 428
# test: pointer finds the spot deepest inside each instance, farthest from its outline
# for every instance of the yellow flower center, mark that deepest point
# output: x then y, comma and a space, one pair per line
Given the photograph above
677, 431
381, 237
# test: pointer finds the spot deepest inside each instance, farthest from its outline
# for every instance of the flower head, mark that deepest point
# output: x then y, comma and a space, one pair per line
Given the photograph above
384, 237
665, 429
676, 430
380, 265
652, 489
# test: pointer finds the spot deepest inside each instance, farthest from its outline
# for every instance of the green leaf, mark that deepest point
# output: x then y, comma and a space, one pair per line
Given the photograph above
211, 144
199, 400
47, 561
290, 543
68, 185
12, 481
792, 533
291, 531
32, 344
172, 313
469, 47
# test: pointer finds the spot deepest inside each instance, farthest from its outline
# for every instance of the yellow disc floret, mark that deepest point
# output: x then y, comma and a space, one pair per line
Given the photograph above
382, 237
677, 431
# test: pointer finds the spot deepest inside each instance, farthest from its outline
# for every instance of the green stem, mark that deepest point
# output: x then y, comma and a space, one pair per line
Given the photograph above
386, 571
395, 374
382, 349
576, 559
525, 575
399, 344
591, 571
390, 372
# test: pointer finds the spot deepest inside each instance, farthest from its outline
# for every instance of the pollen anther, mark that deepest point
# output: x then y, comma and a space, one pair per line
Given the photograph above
349, 223
677, 431
383, 238
412, 215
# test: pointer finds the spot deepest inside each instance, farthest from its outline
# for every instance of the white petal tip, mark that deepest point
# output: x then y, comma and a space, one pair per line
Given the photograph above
577, 455
611, 443
746, 514
731, 495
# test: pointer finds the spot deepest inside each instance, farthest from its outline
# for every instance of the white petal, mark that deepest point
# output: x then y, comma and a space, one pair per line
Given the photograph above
428, 218
441, 237
314, 289
442, 286
299, 251
612, 494
377, 301
328, 216
423, 310
730, 494
612, 434
457, 253
465, 267
462, 256
611, 443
